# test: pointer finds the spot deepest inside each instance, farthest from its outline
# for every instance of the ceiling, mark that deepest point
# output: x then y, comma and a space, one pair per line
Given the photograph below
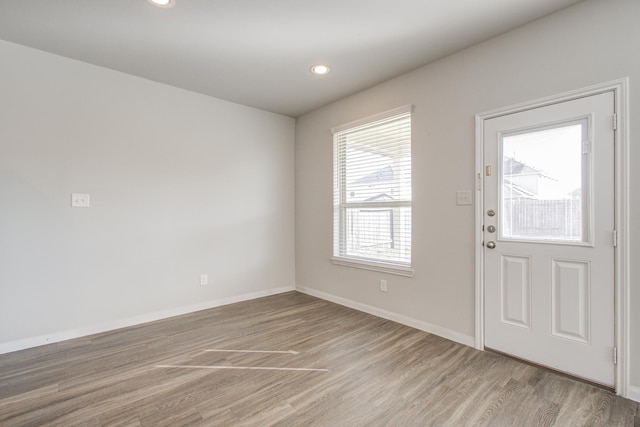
259, 52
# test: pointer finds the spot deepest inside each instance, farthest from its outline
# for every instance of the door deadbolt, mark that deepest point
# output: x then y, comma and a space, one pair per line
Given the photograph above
491, 212
491, 245
491, 229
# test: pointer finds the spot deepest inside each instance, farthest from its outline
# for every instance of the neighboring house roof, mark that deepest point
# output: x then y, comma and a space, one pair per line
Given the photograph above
512, 166
381, 175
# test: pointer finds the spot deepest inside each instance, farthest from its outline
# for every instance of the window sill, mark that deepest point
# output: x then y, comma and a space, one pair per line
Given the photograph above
382, 267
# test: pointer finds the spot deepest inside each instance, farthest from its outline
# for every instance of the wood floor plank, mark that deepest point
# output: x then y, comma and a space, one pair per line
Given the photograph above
371, 372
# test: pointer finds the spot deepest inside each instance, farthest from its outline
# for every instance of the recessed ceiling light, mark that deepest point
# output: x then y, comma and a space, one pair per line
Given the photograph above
162, 3
320, 69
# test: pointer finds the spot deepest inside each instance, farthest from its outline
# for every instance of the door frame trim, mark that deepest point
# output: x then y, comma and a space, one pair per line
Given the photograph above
622, 312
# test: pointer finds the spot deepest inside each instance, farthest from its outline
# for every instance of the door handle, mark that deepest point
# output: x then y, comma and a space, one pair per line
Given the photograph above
491, 245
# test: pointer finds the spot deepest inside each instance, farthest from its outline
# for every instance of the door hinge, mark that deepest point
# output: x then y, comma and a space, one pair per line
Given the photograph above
615, 355
615, 121
615, 238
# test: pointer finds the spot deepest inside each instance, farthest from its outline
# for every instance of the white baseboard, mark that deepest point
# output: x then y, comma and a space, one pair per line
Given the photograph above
10, 346
399, 318
633, 393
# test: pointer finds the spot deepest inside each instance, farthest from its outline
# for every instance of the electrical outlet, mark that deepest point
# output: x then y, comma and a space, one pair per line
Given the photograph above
204, 279
383, 286
80, 200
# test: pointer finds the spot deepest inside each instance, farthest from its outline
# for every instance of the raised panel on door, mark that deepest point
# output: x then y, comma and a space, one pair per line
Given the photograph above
571, 300
515, 282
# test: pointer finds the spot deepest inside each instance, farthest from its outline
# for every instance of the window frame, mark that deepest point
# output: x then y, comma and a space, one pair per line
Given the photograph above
340, 203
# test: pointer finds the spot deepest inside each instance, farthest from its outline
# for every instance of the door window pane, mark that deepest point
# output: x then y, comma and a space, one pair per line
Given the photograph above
543, 189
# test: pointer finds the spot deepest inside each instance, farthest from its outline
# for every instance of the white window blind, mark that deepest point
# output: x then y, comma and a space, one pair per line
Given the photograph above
372, 189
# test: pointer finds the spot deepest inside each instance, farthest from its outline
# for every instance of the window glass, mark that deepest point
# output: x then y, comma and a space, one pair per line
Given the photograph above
544, 196
372, 190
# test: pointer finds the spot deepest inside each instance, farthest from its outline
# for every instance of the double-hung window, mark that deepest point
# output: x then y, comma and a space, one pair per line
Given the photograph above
372, 193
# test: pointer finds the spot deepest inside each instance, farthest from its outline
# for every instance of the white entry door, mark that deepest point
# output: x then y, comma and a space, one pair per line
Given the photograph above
549, 236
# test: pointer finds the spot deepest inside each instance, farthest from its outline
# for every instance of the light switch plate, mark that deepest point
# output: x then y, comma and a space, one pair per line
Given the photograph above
80, 200
463, 198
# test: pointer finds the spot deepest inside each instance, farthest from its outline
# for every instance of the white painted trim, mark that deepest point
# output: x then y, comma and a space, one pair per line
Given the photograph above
614, 85
382, 267
622, 273
479, 270
395, 317
633, 393
10, 346
374, 118
622, 259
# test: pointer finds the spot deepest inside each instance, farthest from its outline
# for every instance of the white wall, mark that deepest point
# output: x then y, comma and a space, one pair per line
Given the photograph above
590, 43
181, 184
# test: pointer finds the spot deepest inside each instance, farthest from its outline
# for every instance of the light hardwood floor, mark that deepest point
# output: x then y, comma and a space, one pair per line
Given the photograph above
361, 371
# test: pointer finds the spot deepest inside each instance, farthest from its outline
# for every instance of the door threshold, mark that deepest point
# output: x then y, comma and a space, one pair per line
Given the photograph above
554, 371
